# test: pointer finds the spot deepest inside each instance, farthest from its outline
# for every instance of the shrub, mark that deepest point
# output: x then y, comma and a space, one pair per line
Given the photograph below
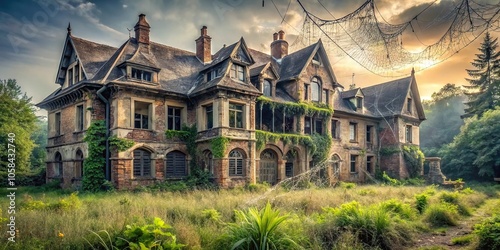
399, 208
462, 240
257, 230
157, 235
442, 214
347, 185
390, 181
455, 199
258, 187
489, 233
210, 215
422, 201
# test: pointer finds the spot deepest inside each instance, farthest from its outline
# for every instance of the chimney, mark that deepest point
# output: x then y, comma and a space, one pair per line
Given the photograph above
141, 29
279, 47
203, 46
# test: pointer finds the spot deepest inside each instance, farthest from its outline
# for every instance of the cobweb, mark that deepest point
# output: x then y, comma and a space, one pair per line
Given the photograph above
366, 37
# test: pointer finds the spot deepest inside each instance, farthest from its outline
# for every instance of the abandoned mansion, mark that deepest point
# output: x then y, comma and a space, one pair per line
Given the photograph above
257, 117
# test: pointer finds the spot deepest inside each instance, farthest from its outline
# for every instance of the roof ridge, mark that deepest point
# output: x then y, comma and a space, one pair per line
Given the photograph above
381, 83
120, 52
83, 39
170, 47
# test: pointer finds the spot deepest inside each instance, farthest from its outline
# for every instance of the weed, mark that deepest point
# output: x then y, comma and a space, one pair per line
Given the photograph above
462, 240
347, 185
442, 214
422, 202
489, 233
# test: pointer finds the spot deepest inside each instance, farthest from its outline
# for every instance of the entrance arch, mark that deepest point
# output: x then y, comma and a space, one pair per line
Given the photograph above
268, 167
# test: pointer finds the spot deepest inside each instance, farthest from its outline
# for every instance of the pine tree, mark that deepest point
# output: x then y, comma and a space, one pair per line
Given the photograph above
484, 88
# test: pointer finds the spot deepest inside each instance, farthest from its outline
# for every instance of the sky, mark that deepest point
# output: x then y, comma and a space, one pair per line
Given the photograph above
33, 33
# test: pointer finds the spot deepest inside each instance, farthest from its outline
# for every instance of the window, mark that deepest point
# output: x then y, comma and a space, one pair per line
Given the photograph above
207, 163
307, 125
141, 115
57, 123
79, 164
289, 169
266, 90
408, 134
79, 118
315, 89
306, 92
369, 164
408, 105
237, 72
316, 59
353, 133
211, 75
335, 160
335, 129
235, 115
70, 77
359, 102
141, 75
354, 160
235, 163
77, 73
174, 118
369, 133
318, 126
324, 96
209, 113
290, 157
175, 164
58, 165
142, 163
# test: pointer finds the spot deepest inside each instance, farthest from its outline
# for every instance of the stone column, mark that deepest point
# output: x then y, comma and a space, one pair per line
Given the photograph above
435, 176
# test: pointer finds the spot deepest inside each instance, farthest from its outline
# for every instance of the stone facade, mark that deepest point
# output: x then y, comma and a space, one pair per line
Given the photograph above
152, 88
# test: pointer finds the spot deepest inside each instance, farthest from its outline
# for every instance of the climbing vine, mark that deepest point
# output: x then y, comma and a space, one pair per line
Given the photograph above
300, 108
414, 159
188, 135
323, 144
218, 146
389, 150
93, 166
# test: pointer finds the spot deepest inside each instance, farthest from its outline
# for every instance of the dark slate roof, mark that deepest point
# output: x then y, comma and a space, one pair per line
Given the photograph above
292, 64
221, 55
387, 98
260, 57
282, 96
92, 55
255, 71
350, 93
143, 57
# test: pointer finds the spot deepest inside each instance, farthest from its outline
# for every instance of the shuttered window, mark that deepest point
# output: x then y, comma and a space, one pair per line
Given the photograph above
235, 163
142, 163
176, 164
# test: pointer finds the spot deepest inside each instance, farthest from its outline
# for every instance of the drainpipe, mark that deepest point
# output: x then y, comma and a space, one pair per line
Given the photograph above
99, 94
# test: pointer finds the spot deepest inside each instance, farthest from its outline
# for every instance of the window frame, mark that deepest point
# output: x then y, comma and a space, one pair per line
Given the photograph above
359, 102
353, 132
409, 134
308, 129
70, 77
79, 164
315, 82
142, 166
269, 91
237, 114
369, 163
238, 161
369, 134
353, 163
237, 72
409, 105
58, 165
141, 119
172, 118
80, 118
335, 129
174, 173
141, 75
57, 123
209, 116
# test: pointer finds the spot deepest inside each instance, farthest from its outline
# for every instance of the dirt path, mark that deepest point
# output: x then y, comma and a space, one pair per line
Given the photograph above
443, 240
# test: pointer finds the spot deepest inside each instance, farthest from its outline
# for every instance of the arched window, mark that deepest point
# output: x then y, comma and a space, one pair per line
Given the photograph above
142, 162
176, 164
79, 164
315, 89
207, 163
266, 90
58, 165
235, 163
291, 158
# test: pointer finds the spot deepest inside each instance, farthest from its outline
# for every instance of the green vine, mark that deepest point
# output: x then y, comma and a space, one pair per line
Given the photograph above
390, 150
300, 108
414, 159
323, 144
219, 145
93, 166
188, 135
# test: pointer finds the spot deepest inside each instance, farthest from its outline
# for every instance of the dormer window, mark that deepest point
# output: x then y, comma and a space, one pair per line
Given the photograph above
315, 89
70, 77
211, 75
408, 105
141, 75
266, 89
316, 59
359, 102
237, 72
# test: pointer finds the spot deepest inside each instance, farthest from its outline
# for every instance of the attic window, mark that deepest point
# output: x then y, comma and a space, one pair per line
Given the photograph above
359, 102
141, 75
316, 59
315, 89
237, 72
211, 75
266, 90
408, 105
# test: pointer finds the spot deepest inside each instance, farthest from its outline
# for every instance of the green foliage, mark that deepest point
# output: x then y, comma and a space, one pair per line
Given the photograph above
474, 154
347, 185
422, 200
442, 214
455, 198
188, 135
258, 187
39, 153
323, 144
218, 146
257, 230
65, 204
489, 233
120, 144
389, 150
462, 240
485, 79
299, 108
414, 159
157, 235
16, 116
263, 137
35, 177
398, 208
211, 214
390, 181
94, 164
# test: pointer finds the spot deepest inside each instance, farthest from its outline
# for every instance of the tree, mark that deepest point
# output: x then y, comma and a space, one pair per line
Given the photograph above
475, 152
484, 91
17, 117
443, 119
39, 137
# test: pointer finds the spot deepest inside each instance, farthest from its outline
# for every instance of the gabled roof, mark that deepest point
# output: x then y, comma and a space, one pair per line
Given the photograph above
263, 68
92, 55
292, 65
352, 93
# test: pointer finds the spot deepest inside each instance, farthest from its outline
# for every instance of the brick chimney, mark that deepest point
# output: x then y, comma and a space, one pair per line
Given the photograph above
279, 47
141, 29
203, 46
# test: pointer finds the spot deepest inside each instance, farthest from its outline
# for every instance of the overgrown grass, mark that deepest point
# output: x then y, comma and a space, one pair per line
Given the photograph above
384, 217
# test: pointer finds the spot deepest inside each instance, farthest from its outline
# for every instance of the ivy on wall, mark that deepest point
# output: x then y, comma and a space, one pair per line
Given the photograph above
299, 108
218, 146
93, 166
389, 150
414, 159
188, 135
